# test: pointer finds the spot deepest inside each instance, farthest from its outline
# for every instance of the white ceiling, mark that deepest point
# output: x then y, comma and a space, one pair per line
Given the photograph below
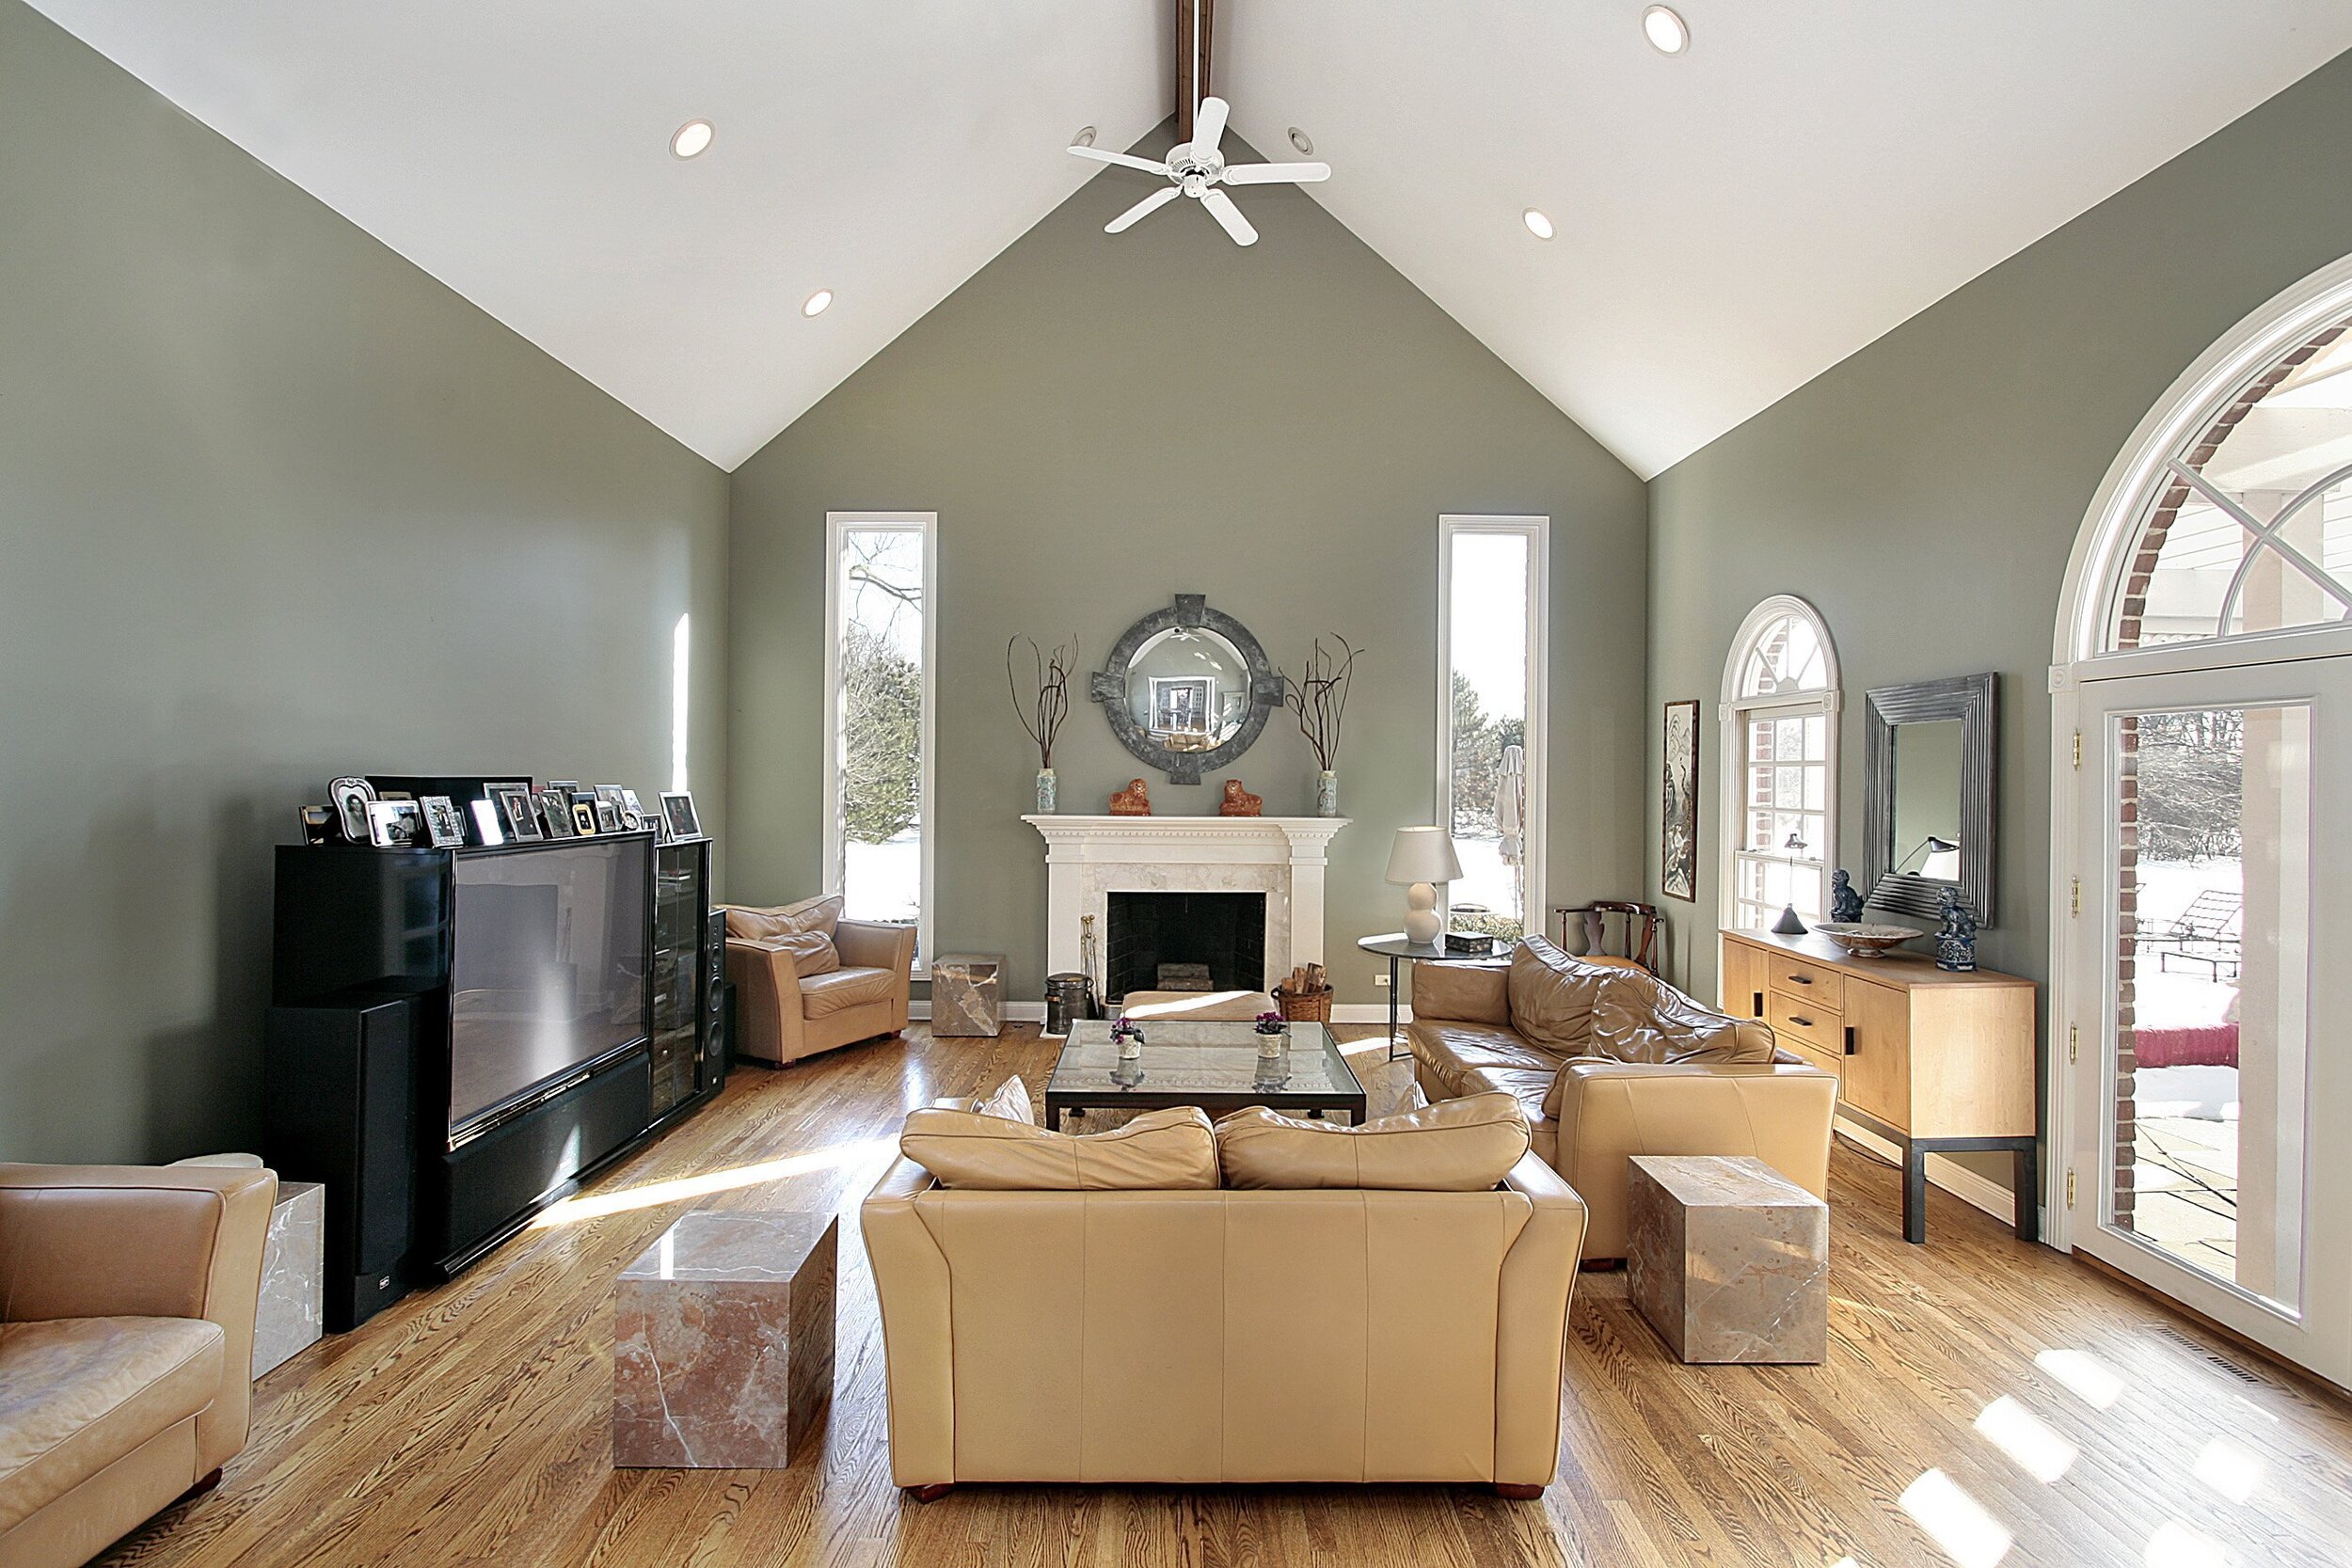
1731, 222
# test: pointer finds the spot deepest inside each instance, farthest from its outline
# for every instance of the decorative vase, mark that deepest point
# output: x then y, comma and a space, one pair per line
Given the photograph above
1328, 793
1271, 1042
1045, 791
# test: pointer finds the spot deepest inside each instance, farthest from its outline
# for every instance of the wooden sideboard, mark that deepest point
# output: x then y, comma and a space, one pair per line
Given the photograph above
1932, 1062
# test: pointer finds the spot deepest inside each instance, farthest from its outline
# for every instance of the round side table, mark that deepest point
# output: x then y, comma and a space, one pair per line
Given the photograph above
1394, 948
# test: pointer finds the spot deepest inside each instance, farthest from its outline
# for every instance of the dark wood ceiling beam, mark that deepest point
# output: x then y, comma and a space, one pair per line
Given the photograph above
1187, 12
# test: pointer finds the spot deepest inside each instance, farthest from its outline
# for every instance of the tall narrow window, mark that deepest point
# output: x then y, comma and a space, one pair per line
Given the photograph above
1780, 765
1491, 718
877, 719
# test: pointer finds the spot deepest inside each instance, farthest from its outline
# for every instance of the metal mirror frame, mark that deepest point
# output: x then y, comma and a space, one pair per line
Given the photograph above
1970, 699
1190, 612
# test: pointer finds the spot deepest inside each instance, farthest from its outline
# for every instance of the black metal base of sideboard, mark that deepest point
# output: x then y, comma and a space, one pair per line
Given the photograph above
2027, 1153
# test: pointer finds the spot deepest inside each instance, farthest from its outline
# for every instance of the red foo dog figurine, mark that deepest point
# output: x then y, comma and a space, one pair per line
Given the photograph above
1239, 802
1133, 800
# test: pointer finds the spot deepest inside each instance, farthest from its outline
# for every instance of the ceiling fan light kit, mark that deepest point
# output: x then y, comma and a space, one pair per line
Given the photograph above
1198, 169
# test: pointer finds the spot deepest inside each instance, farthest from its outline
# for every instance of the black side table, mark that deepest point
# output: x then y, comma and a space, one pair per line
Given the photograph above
1394, 948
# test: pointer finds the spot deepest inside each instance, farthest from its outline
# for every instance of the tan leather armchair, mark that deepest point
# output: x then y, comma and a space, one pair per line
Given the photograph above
1221, 1335
784, 1013
127, 1297
1732, 1091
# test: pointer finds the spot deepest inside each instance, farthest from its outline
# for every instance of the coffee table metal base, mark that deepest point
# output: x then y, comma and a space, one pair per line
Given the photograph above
1078, 1103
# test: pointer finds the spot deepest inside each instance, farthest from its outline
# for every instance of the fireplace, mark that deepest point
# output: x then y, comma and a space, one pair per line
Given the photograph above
1150, 933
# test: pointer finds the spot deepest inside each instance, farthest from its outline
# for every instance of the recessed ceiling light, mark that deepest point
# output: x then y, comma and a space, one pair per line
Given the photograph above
1084, 137
691, 140
1536, 223
1667, 32
816, 303
1302, 141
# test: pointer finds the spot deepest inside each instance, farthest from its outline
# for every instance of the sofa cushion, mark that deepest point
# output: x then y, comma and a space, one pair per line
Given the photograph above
840, 989
1457, 1145
1470, 993
805, 931
1451, 1050
1160, 1151
1552, 995
1640, 1017
77, 1394
1010, 1102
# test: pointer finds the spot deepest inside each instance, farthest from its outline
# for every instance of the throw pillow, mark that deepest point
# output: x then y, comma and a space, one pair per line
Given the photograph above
1010, 1102
1551, 995
1455, 1146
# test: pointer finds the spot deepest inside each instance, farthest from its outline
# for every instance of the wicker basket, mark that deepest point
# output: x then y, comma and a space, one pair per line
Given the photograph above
1308, 1006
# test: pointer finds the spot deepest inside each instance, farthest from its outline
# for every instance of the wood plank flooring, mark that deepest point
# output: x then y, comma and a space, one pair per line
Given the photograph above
471, 1424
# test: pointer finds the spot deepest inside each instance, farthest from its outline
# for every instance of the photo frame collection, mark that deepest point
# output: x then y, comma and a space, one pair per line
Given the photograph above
357, 812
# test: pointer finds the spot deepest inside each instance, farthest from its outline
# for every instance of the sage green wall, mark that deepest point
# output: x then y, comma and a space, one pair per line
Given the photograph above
1924, 494
1103, 421
275, 506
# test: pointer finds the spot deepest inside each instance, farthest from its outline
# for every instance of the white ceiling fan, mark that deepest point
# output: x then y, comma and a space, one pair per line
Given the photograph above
1194, 166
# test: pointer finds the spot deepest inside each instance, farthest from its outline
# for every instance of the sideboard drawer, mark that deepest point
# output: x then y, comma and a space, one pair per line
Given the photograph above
1817, 983
1823, 1028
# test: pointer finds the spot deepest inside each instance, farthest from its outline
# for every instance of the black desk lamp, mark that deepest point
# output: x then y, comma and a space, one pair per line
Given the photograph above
1933, 845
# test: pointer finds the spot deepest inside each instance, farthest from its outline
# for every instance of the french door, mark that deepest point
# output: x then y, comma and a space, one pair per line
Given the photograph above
2210, 1154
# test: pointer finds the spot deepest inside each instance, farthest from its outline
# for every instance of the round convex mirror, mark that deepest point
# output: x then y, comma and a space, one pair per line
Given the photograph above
1188, 689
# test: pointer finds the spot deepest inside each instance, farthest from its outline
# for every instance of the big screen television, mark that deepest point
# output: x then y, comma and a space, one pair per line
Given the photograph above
548, 972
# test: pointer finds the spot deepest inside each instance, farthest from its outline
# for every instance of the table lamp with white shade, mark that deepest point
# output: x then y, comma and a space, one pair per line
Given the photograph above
1423, 856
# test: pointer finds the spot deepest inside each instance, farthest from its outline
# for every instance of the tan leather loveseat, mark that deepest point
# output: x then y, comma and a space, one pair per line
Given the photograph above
807, 981
1214, 1328
127, 1297
1610, 1062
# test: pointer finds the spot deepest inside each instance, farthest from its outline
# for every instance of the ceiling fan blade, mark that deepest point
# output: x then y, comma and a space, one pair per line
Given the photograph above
1208, 126
1141, 210
1221, 208
1124, 160
1273, 174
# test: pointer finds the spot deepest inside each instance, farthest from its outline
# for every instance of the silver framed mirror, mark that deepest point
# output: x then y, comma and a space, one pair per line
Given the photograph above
1928, 753
1188, 689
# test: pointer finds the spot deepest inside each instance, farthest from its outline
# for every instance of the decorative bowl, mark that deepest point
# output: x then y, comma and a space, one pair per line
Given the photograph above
1864, 939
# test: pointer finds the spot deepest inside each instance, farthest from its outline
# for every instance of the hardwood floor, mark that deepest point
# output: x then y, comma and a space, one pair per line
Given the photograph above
471, 1424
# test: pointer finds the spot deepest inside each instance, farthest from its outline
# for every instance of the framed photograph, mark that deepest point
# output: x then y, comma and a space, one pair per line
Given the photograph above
486, 824
1678, 838
350, 798
321, 824
444, 824
611, 793
396, 825
556, 811
632, 812
522, 819
566, 787
678, 810
608, 816
1180, 705
584, 817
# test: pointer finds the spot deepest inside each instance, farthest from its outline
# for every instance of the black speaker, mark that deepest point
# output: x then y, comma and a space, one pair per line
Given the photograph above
718, 1023
342, 1111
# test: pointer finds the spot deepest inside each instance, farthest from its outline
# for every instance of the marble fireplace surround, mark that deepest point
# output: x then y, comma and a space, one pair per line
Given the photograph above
1089, 857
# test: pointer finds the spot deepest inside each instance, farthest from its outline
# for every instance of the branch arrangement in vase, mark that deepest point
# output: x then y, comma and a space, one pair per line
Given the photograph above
1319, 697
1041, 716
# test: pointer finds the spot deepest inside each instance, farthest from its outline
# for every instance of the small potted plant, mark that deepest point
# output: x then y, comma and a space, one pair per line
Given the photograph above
1128, 1035
1273, 1031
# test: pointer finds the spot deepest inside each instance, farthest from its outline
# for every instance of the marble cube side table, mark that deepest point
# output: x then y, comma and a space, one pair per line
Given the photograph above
722, 1343
967, 995
1728, 1259
291, 1313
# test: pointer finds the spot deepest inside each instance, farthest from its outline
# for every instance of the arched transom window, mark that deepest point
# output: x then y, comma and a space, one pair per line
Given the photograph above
1780, 776
2246, 528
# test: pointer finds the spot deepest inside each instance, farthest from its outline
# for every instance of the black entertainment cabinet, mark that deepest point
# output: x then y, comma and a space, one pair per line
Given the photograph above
459, 1037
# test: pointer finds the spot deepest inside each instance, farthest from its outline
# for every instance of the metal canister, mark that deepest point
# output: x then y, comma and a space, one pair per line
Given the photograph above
1068, 998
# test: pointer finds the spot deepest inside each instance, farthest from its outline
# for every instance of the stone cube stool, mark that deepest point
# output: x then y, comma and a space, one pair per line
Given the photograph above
1728, 1259
722, 1343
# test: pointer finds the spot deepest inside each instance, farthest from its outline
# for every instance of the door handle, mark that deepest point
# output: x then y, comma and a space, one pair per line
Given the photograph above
1850, 1051
1760, 1003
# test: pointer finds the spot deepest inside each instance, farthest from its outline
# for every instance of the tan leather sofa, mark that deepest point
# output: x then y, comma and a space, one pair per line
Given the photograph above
1608, 1062
127, 1296
807, 981
1224, 1333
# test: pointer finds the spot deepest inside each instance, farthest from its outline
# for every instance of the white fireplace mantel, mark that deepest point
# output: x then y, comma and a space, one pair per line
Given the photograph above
1089, 857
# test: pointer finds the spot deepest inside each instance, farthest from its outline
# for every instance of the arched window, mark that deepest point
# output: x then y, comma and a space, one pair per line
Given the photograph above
1780, 765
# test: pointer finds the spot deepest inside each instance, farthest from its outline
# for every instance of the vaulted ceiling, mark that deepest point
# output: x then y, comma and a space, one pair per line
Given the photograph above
1731, 221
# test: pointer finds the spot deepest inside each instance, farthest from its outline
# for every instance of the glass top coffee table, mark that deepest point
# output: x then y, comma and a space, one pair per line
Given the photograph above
1214, 1066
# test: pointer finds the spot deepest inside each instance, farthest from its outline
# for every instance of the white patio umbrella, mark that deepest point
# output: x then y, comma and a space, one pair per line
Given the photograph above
1510, 818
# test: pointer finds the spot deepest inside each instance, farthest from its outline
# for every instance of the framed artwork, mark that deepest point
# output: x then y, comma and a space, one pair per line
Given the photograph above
679, 810
443, 822
1679, 835
522, 819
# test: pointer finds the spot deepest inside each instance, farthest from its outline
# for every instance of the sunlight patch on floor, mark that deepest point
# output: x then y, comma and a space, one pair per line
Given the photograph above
573, 1210
2026, 1438
1956, 1521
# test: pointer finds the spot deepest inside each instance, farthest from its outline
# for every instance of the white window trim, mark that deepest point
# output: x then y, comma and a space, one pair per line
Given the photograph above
1733, 711
2094, 575
838, 526
1537, 531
